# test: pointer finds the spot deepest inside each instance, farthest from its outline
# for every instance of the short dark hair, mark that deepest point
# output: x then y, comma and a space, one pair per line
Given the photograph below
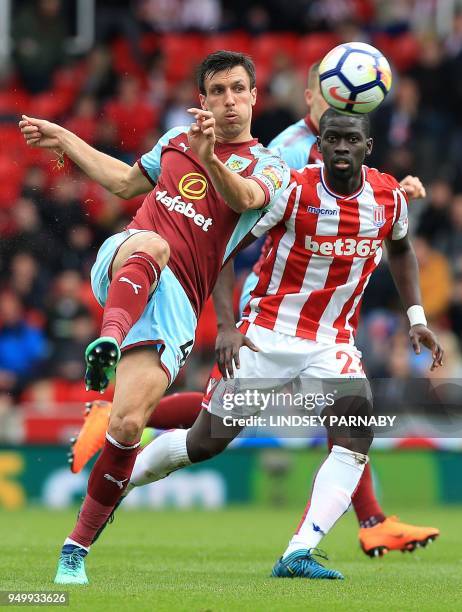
224, 60
330, 113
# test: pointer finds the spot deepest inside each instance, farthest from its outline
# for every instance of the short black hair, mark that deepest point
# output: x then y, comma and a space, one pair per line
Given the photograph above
224, 60
330, 113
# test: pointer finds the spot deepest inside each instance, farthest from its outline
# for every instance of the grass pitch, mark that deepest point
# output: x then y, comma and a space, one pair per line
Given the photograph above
221, 560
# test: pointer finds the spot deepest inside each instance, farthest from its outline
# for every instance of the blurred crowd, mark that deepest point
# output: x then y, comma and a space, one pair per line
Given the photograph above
134, 83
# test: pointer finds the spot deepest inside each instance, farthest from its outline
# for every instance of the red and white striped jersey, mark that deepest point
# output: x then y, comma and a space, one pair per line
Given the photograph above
325, 248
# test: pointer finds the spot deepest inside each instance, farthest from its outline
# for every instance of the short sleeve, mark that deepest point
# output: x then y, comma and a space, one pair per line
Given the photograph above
401, 223
149, 163
273, 176
281, 210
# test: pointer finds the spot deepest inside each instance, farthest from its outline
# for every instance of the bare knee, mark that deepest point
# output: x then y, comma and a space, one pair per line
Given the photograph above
126, 429
155, 246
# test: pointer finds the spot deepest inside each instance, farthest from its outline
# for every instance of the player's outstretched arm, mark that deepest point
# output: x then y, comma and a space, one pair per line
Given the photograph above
239, 193
229, 339
405, 271
114, 175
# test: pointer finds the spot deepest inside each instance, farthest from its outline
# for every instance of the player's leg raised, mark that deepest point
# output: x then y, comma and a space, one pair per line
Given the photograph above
127, 271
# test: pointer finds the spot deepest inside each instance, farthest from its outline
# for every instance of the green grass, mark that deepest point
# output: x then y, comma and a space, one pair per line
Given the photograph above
220, 561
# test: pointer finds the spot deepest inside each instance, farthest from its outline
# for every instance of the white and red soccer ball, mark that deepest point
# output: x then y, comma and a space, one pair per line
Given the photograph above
354, 78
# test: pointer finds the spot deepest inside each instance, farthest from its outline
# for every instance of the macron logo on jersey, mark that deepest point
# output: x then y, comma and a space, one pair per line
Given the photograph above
322, 211
333, 246
176, 204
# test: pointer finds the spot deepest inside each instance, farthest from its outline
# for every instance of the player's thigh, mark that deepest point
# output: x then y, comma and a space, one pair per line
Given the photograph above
336, 371
145, 241
140, 384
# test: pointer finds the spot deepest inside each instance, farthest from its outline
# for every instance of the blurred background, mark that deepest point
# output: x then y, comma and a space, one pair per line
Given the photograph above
119, 73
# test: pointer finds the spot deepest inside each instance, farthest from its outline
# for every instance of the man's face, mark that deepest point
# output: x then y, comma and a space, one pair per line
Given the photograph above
344, 145
230, 99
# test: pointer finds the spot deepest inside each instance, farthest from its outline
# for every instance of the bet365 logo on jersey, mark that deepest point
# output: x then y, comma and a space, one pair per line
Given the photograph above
334, 246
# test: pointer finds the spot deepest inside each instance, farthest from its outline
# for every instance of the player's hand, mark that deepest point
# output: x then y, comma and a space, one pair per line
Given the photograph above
201, 135
413, 187
40, 133
227, 346
420, 334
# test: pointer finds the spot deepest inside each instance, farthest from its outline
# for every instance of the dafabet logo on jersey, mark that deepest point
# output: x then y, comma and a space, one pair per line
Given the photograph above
193, 186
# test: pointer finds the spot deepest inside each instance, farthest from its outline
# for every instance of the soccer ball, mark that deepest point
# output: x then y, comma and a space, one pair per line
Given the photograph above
354, 78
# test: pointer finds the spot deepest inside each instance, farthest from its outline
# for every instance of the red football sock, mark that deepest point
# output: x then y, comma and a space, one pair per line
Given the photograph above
177, 411
107, 482
364, 500
128, 294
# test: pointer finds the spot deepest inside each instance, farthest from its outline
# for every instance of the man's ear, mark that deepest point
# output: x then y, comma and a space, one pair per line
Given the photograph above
203, 101
253, 93
308, 97
369, 145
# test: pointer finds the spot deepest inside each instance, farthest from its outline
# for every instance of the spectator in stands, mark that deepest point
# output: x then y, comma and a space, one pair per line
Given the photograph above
398, 126
159, 15
39, 34
202, 15
79, 253
65, 306
432, 76
450, 242
183, 97
64, 208
22, 346
31, 234
29, 281
99, 79
455, 308
435, 279
434, 221
66, 359
84, 118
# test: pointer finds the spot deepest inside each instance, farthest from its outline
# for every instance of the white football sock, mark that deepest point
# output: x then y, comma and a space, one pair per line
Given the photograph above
333, 487
163, 455
70, 541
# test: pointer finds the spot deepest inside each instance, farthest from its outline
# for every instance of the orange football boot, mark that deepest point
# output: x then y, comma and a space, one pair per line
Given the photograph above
394, 535
92, 435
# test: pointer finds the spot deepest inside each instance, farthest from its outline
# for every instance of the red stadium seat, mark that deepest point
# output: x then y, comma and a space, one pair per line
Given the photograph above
232, 41
123, 60
13, 102
12, 142
313, 47
402, 51
11, 174
265, 46
182, 54
150, 43
51, 104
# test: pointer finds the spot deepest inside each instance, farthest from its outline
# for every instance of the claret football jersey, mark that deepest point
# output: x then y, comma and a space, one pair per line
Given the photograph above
189, 213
